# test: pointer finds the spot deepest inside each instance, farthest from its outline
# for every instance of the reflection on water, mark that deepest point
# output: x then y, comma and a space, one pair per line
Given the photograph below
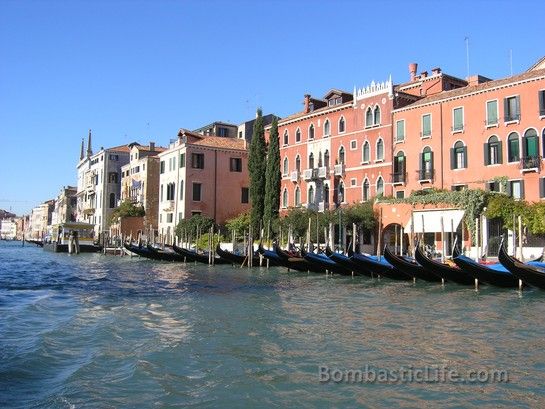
102, 331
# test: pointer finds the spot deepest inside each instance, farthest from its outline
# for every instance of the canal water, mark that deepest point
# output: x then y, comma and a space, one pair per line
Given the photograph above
119, 332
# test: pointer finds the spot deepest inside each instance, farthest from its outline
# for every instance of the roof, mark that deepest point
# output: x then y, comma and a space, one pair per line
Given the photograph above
221, 142
120, 148
347, 104
538, 65
476, 88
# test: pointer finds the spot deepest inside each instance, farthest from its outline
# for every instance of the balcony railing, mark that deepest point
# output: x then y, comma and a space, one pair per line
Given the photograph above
530, 163
425, 175
308, 174
294, 176
311, 206
168, 205
399, 177
323, 171
339, 169
323, 206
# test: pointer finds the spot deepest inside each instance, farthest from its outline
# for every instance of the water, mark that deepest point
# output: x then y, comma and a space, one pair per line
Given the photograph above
110, 332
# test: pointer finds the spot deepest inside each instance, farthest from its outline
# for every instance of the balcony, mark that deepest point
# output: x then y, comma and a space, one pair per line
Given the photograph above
168, 205
323, 171
90, 209
530, 163
294, 176
323, 206
399, 178
309, 174
311, 206
425, 175
339, 169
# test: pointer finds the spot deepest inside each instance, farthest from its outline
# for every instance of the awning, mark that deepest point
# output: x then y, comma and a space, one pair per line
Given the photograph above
432, 221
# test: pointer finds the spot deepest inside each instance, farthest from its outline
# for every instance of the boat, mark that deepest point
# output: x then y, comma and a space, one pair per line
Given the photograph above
379, 267
493, 274
410, 267
39, 243
446, 272
296, 263
345, 261
527, 273
165, 255
191, 255
321, 261
72, 237
239, 260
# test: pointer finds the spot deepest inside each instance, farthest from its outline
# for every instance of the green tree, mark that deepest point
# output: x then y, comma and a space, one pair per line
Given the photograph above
126, 209
272, 177
257, 167
239, 224
193, 224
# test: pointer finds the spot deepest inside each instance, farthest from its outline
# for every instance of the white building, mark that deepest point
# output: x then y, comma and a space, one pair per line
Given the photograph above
8, 229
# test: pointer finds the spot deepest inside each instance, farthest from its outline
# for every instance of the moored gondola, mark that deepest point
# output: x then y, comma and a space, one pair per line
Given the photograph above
528, 274
444, 271
345, 261
321, 261
411, 268
164, 255
191, 255
144, 251
496, 275
379, 267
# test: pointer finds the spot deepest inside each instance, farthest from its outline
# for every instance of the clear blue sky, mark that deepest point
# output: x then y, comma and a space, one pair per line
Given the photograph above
117, 66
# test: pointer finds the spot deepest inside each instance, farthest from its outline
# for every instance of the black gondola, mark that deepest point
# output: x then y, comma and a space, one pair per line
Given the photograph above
324, 262
411, 268
239, 260
499, 278
151, 254
444, 271
39, 243
296, 263
164, 255
347, 263
191, 255
531, 275
380, 268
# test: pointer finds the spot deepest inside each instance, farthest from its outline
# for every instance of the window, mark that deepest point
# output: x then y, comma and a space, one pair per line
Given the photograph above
298, 163
182, 160
195, 212
112, 177
285, 167
311, 131
541, 187
286, 138
400, 130
161, 194
530, 149
245, 195
380, 149
458, 119
515, 189
112, 200
341, 125
326, 128
458, 156
493, 186
310, 198
513, 153
511, 107
366, 152
235, 164
197, 160
171, 187
162, 166
311, 161
491, 113
458, 188
400, 194
380, 186
376, 116
297, 197
541, 96
169, 217
426, 164
285, 198
353, 181
326, 158
353, 145
426, 126
298, 135
181, 190
399, 168
197, 192
369, 117
223, 131
492, 151
340, 193
341, 155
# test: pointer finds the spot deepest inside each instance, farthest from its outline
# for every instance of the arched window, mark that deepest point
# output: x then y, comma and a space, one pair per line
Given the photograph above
376, 116
369, 117
320, 161
112, 200
492, 151
326, 158
311, 161
326, 128
311, 131
297, 197
366, 154
380, 149
285, 198
326, 193
286, 138
399, 168
530, 148
341, 155
513, 151
285, 167
298, 135
298, 163
310, 195
365, 190
380, 186
340, 192
426, 164
341, 125
458, 156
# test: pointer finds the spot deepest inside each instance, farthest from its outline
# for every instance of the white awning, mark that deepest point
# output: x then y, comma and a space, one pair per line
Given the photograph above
432, 221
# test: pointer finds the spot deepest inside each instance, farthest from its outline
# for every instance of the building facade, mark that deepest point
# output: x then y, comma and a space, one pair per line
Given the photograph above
40, 218
65, 206
220, 129
8, 229
205, 175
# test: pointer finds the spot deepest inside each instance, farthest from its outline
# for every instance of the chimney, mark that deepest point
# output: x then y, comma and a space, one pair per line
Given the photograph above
82, 154
436, 70
152, 146
307, 104
89, 149
423, 74
412, 70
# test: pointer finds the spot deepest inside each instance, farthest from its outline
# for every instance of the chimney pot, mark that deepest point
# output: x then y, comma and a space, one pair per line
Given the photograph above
307, 104
412, 70
152, 146
436, 70
424, 74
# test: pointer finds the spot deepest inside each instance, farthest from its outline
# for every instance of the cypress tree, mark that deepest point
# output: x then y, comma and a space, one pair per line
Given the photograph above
257, 166
272, 176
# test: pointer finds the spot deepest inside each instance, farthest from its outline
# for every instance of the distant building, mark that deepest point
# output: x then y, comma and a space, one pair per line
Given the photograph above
205, 175
221, 129
40, 219
4, 214
65, 206
246, 129
140, 181
8, 229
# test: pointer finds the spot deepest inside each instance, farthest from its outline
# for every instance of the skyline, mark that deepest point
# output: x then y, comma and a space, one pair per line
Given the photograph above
139, 71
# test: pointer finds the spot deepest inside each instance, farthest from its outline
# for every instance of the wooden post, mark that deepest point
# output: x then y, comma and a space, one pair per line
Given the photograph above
477, 238
521, 253
451, 235
401, 240
412, 233
442, 240
395, 239
379, 241
309, 249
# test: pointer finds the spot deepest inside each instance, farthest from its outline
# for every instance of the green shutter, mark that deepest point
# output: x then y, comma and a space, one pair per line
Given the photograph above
452, 158
486, 154
465, 156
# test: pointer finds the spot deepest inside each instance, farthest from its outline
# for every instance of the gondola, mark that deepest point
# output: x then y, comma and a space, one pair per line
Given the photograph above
379, 267
321, 261
495, 274
529, 274
145, 251
164, 255
345, 261
39, 243
191, 255
444, 271
296, 263
411, 268
239, 260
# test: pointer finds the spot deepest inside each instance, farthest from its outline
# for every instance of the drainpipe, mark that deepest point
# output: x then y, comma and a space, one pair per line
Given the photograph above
215, 181
441, 136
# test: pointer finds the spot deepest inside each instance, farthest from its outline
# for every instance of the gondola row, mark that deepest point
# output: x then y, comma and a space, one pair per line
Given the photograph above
508, 273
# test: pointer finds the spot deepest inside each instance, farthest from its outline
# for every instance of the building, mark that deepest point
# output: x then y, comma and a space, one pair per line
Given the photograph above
246, 129
205, 175
221, 129
140, 181
8, 229
40, 218
99, 184
65, 206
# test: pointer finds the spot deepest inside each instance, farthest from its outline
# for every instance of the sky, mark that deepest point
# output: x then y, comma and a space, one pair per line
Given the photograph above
140, 70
